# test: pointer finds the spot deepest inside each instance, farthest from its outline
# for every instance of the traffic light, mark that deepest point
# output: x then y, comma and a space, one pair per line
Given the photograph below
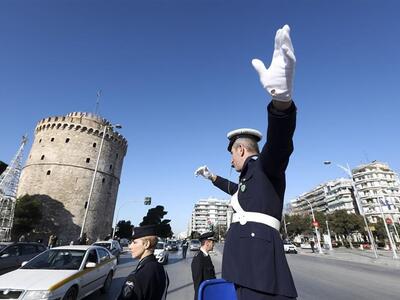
147, 200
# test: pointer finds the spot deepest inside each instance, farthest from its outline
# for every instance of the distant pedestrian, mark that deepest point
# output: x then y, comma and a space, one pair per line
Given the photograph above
202, 266
312, 246
51, 243
185, 246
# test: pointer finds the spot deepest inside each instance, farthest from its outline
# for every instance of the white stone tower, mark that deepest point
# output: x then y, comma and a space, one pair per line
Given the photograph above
60, 169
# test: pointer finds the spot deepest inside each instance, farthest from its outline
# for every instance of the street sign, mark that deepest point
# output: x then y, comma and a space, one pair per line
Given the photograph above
315, 223
389, 221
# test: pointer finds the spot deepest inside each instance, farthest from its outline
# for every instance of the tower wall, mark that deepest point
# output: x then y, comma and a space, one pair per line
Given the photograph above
60, 168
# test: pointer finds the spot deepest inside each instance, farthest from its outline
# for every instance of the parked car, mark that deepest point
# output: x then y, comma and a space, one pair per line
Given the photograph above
68, 272
172, 245
111, 245
161, 253
289, 247
13, 254
194, 245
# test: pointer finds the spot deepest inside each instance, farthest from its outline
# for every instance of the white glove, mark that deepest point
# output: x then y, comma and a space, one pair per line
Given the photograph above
278, 78
204, 171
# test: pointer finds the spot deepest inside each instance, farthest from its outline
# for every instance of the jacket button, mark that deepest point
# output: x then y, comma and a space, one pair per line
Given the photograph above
253, 234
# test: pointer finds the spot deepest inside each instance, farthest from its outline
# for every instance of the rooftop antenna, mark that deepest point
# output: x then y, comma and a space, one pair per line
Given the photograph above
98, 102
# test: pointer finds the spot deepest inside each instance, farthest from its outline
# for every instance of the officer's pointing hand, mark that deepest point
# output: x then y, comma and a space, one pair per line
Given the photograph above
278, 78
205, 172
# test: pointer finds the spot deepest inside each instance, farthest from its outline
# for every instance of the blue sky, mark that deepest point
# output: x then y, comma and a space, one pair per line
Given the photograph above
177, 75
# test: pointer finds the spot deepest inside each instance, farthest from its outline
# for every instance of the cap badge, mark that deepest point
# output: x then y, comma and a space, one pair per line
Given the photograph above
243, 187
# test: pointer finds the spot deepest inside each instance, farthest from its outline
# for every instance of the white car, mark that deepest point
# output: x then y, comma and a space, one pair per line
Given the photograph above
161, 253
67, 273
289, 247
194, 245
111, 245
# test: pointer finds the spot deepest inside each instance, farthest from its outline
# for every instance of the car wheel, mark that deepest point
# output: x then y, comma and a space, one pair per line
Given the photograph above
71, 294
107, 284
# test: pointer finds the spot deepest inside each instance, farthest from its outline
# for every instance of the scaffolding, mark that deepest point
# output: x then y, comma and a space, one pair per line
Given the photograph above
9, 180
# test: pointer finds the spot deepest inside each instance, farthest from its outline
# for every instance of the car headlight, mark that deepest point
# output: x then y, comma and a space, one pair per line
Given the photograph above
36, 295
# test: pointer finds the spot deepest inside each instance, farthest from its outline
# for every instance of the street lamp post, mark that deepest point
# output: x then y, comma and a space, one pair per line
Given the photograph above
147, 201
326, 221
392, 245
316, 228
360, 209
285, 224
94, 175
329, 235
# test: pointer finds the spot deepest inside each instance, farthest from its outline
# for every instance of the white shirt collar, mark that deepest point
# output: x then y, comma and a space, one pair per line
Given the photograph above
202, 250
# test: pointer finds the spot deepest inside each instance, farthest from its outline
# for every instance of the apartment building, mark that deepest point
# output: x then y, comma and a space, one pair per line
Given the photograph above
378, 190
210, 212
326, 197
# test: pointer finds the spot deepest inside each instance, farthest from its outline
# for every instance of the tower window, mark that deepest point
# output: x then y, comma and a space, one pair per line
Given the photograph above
52, 140
40, 141
42, 158
94, 145
48, 172
116, 155
103, 180
67, 140
110, 167
88, 160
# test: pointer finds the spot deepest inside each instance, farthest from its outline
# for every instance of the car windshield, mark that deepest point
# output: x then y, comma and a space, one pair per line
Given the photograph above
2, 246
105, 245
195, 242
57, 259
160, 246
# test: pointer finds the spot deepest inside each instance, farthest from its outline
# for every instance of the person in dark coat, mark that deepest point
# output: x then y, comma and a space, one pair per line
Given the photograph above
312, 244
148, 281
253, 257
185, 246
202, 266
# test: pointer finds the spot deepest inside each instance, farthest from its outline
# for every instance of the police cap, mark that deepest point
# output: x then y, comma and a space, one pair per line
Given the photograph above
207, 236
243, 133
146, 230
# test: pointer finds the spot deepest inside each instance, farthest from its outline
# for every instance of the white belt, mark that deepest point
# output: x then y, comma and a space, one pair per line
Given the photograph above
247, 216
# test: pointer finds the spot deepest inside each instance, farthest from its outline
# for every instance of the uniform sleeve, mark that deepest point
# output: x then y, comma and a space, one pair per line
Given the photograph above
275, 154
129, 290
197, 272
225, 185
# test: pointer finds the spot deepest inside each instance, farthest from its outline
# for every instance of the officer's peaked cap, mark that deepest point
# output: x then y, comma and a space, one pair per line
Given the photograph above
146, 230
243, 133
207, 236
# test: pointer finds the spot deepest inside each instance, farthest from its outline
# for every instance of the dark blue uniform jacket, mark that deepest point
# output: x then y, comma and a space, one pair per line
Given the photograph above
253, 253
202, 269
148, 282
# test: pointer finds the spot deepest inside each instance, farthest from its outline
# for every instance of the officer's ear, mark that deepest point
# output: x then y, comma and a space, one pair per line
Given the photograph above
146, 244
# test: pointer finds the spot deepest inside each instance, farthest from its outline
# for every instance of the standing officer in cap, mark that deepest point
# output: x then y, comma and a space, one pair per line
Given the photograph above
253, 258
202, 266
148, 281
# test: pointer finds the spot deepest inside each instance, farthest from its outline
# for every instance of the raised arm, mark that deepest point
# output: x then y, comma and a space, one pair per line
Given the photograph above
277, 80
225, 185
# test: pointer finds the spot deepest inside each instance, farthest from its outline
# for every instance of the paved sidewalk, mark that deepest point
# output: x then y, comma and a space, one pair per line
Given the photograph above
385, 257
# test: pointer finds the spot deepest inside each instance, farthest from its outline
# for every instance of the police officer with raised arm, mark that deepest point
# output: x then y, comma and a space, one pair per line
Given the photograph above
253, 257
202, 266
